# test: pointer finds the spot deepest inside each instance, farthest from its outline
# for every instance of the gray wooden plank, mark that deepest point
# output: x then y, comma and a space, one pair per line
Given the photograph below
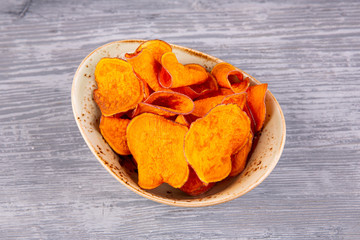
309, 53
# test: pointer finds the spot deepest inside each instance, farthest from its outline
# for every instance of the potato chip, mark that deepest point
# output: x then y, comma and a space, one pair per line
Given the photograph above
203, 106
194, 186
156, 47
197, 90
165, 104
230, 77
157, 146
114, 131
219, 92
212, 140
182, 120
237, 98
238, 160
147, 68
119, 90
256, 102
173, 74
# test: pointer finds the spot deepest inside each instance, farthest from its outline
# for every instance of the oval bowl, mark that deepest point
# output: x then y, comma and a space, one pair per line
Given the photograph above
87, 115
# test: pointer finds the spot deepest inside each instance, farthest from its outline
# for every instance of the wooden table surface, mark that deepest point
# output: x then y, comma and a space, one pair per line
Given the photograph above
52, 187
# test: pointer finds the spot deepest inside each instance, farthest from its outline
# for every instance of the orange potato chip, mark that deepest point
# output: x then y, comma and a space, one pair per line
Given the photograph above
237, 98
248, 112
156, 47
197, 90
182, 120
219, 92
147, 68
119, 90
173, 74
114, 131
229, 76
194, 186
256, 102
203, 106
239, 159
147, 90
165, 104
157, 146
212, 140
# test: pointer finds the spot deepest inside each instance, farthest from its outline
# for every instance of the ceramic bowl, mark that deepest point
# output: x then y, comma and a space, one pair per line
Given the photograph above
87, 116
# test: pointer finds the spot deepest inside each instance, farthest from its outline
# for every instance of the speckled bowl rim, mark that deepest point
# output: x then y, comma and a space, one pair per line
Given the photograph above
180, 203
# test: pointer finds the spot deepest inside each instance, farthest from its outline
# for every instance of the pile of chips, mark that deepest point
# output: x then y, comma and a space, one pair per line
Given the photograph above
183, 126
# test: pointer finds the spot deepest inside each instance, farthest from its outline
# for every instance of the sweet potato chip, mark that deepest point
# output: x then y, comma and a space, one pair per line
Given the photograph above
219, 92
212, 140
147, 90
239, 159
182, 120
165, 104
256, 102
203, 106
194, 186
157, 146
173, 74
248, 112
237, 98
156, 47
230, 77
147, 68
114, 131
119, 90
197, 90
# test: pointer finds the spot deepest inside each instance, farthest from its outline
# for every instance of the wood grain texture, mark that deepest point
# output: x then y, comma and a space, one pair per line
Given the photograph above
52, 187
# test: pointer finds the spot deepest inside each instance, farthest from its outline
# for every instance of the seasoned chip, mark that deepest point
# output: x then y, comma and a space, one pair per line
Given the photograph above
173, 74
165, 104
256, 102
114, 131
212, 140
119, 90
229, 76
157, 146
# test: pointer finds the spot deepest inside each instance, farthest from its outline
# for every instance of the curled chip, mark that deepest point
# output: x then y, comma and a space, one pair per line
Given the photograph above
230, 77
194, 186
182, 120
248, 112
165, 104
238, 159
237, 98
114, 131
156, 47
119, 90
219, 92
256, 102
157, 146
173, 74
203, 106
212, 140
147, 68
197, 90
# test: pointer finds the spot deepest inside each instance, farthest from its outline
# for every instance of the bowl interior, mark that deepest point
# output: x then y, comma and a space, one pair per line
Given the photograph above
87, 115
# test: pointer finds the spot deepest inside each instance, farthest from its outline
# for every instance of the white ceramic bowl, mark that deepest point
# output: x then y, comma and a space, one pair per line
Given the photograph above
87, 116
